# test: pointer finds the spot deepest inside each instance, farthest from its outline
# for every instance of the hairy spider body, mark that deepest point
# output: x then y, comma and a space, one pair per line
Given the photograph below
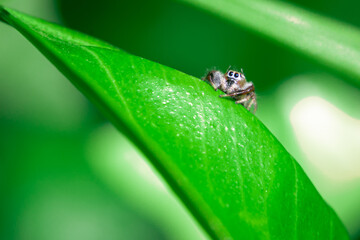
234, 85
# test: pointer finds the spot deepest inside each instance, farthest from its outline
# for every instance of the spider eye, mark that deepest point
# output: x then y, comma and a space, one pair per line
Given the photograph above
236, 75
231, 74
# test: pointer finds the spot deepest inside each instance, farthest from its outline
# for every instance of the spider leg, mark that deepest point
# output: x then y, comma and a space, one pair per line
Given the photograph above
242, 92
213, 85
231, 94
209, 78
252, 102
245, 99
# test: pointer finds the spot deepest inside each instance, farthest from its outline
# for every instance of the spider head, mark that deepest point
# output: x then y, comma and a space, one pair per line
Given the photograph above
235, 76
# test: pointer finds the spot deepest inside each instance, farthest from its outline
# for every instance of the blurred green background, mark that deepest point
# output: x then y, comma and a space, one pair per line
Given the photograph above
66, 173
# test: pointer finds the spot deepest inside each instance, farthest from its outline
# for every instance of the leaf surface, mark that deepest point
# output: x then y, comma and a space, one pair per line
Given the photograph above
222, 162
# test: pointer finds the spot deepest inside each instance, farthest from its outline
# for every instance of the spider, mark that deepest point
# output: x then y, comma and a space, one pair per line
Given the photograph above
234, 85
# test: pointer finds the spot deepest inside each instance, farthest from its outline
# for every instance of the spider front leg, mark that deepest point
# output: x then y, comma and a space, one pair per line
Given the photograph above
231, 94
241, 92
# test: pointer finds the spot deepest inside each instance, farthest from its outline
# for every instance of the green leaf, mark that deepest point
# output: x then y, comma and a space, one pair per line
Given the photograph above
224, 164
330, 43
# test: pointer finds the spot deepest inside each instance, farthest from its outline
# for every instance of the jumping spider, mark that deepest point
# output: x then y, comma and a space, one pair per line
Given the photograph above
234, 84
